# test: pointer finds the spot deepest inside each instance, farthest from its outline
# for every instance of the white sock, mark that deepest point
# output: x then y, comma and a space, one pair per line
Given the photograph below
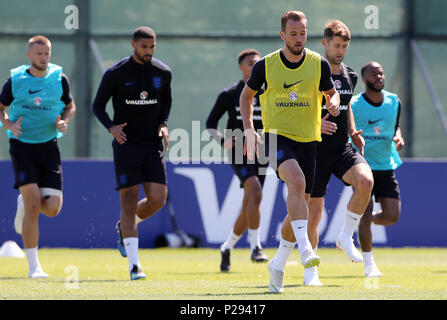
300, 230
131, 245
315, 250
368, 258
255, 238
284, 250
33, 260
232, 239
351, 223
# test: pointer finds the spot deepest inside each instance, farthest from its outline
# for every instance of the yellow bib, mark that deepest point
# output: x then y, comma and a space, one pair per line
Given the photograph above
291, 105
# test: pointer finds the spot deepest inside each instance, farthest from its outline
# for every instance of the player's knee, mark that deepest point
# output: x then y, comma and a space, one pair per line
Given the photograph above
32, 207
392, 218
52, 211
255, 195
365, 185
158, 200
314, 216
297, 185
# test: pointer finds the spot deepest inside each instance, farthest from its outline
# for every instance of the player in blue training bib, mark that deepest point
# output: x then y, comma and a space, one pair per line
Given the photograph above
41, 107
377, 113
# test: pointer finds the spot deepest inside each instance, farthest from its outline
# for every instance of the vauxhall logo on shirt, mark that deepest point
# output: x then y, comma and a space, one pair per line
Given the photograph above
37, 105
290, 99
143, 100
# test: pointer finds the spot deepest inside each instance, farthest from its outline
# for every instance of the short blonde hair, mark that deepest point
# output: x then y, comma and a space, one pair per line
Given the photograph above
39, 39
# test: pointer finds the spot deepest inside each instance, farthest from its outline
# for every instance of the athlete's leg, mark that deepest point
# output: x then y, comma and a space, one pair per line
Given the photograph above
360, 178
129, 229
30, 228
365, 235
390, 213
365, 238
294, 226
129, 201
316, 206
51, 201
156, 194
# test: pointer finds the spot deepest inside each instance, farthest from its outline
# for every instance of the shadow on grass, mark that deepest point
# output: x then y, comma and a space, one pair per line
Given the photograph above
90, 280
202, 273
342, 277
14, 278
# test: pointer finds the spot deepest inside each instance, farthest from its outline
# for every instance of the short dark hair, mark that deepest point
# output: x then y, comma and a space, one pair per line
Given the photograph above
336, 28
294, 15
247, 52
143, 33
366, 66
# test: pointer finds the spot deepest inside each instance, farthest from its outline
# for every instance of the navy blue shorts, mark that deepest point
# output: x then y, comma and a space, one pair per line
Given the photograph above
304, 153
334, 163
244, 170
36, 163
135, 164
385, 185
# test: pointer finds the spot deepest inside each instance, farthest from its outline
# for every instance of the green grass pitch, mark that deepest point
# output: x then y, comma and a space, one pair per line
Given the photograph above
193, 274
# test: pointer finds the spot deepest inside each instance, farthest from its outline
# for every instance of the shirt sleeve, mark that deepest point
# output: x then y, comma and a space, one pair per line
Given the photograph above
104, 93
257, 77
326, 82
398, 116
354, 79
219, 109
166, 100
66, 93
6, 97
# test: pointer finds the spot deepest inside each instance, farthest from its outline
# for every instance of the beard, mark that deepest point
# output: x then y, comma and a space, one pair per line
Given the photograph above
333, 60
371, 86
294, 51
141, 58
38, 67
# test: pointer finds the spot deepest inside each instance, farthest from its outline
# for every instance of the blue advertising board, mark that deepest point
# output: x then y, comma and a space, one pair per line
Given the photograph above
206, 199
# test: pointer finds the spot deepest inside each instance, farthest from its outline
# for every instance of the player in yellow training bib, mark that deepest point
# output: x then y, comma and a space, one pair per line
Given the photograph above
294, 79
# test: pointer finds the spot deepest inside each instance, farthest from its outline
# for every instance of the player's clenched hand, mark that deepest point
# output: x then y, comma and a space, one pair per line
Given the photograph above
15, 127
328, 127
118, 133
251, 143
61, 125
163, 132
333, 104
358, 141
399, 141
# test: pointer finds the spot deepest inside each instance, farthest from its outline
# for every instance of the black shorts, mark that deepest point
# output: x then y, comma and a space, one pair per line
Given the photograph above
244, 170
334, 163
36, 163
135, 164
304, 153
385, 185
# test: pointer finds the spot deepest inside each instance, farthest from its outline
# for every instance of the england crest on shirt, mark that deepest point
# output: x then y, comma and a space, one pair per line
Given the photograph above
156, 81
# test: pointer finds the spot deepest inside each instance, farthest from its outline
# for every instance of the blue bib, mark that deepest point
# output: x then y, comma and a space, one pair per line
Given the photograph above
38, 101
379, 126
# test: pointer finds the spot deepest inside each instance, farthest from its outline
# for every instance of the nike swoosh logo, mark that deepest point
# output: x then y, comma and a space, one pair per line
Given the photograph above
300, 227
129, 83
33, 92
372, 122
285, 85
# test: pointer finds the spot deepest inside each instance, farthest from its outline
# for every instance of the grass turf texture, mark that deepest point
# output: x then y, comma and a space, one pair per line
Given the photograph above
190, 274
